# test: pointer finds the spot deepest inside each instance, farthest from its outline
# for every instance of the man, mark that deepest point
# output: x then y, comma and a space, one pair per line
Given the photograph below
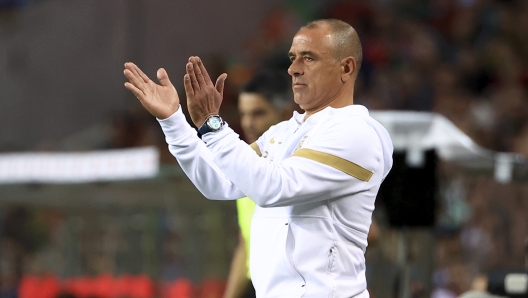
264, 101
314, 177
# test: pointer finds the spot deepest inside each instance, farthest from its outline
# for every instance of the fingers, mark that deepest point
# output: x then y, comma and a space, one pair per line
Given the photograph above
220, 82
135, 70
192, 77
163, 77
198, 71
135, 91
204, 71
141, 74
189, 91
135, 80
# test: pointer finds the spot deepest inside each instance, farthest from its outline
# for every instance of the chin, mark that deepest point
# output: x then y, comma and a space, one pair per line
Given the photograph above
298, 101
249, 139
301, 105
302, 102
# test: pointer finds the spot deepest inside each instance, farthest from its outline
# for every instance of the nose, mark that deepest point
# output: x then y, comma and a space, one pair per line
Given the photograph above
295, 69
246, 123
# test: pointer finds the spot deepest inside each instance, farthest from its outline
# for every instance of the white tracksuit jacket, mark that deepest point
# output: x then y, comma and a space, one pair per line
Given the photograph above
314, 185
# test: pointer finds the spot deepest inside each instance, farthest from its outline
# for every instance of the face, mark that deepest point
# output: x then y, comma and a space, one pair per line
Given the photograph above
256, 115
316, 74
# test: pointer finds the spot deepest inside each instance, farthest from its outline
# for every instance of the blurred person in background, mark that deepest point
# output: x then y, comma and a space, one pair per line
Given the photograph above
314, 188
264, 101
478, 289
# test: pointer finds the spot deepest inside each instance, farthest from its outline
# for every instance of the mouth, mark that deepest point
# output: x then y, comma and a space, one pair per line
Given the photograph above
298, 85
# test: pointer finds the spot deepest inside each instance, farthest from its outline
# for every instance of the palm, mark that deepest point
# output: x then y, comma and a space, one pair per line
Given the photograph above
161, 100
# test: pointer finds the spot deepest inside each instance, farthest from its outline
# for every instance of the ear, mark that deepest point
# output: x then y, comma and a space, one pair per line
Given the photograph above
348, 68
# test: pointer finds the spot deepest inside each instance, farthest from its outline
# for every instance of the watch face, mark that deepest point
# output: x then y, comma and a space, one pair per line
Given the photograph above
214, 123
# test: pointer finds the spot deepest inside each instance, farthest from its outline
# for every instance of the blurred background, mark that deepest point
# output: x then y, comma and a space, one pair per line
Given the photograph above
61, 90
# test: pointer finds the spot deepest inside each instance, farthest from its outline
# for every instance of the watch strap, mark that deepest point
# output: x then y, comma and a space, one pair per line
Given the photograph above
205, 128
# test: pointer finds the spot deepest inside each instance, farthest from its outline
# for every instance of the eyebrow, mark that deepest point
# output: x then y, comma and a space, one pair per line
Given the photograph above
309, 53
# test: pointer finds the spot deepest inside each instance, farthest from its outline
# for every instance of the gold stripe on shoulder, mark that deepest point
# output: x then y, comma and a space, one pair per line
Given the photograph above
255, 147
335, 162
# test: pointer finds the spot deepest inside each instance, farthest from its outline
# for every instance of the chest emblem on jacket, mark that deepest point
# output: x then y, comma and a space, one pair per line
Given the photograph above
272, 141
301, 142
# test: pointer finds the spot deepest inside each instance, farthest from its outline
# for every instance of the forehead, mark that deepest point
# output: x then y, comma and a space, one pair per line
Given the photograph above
315, 40
252, 101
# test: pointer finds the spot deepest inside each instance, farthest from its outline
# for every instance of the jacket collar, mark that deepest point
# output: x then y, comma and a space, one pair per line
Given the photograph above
329, 111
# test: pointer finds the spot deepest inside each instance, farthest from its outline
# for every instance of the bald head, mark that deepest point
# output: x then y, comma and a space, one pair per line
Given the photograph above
345, 40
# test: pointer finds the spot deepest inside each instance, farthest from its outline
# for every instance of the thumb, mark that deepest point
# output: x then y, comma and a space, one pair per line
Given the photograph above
163, 77
220, 83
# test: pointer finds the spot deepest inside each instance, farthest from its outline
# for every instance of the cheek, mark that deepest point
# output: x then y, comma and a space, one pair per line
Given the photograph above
247, 122
327, 82
256, 122
272, 121
264, 123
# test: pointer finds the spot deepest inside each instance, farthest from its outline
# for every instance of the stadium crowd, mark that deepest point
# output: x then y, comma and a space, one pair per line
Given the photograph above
464, 59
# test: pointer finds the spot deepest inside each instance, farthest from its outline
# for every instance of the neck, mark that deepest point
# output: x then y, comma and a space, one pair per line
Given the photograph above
342, 100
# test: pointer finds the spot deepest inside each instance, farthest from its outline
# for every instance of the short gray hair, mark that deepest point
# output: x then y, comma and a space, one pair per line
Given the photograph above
345, 39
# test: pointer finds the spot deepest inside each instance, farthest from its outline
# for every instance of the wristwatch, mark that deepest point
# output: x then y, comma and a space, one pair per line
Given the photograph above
212, 123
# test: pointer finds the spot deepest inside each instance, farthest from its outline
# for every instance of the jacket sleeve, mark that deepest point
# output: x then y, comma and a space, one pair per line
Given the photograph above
196, 159
338, 161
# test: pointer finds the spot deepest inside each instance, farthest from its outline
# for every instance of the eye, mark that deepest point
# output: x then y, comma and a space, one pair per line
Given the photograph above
259, 113
292, 58
308, 58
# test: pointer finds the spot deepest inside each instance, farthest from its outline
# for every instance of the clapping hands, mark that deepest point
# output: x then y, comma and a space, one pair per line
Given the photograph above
161, 100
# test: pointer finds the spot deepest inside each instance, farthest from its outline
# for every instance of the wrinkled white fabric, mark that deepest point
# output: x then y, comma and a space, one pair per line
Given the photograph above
309, 230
